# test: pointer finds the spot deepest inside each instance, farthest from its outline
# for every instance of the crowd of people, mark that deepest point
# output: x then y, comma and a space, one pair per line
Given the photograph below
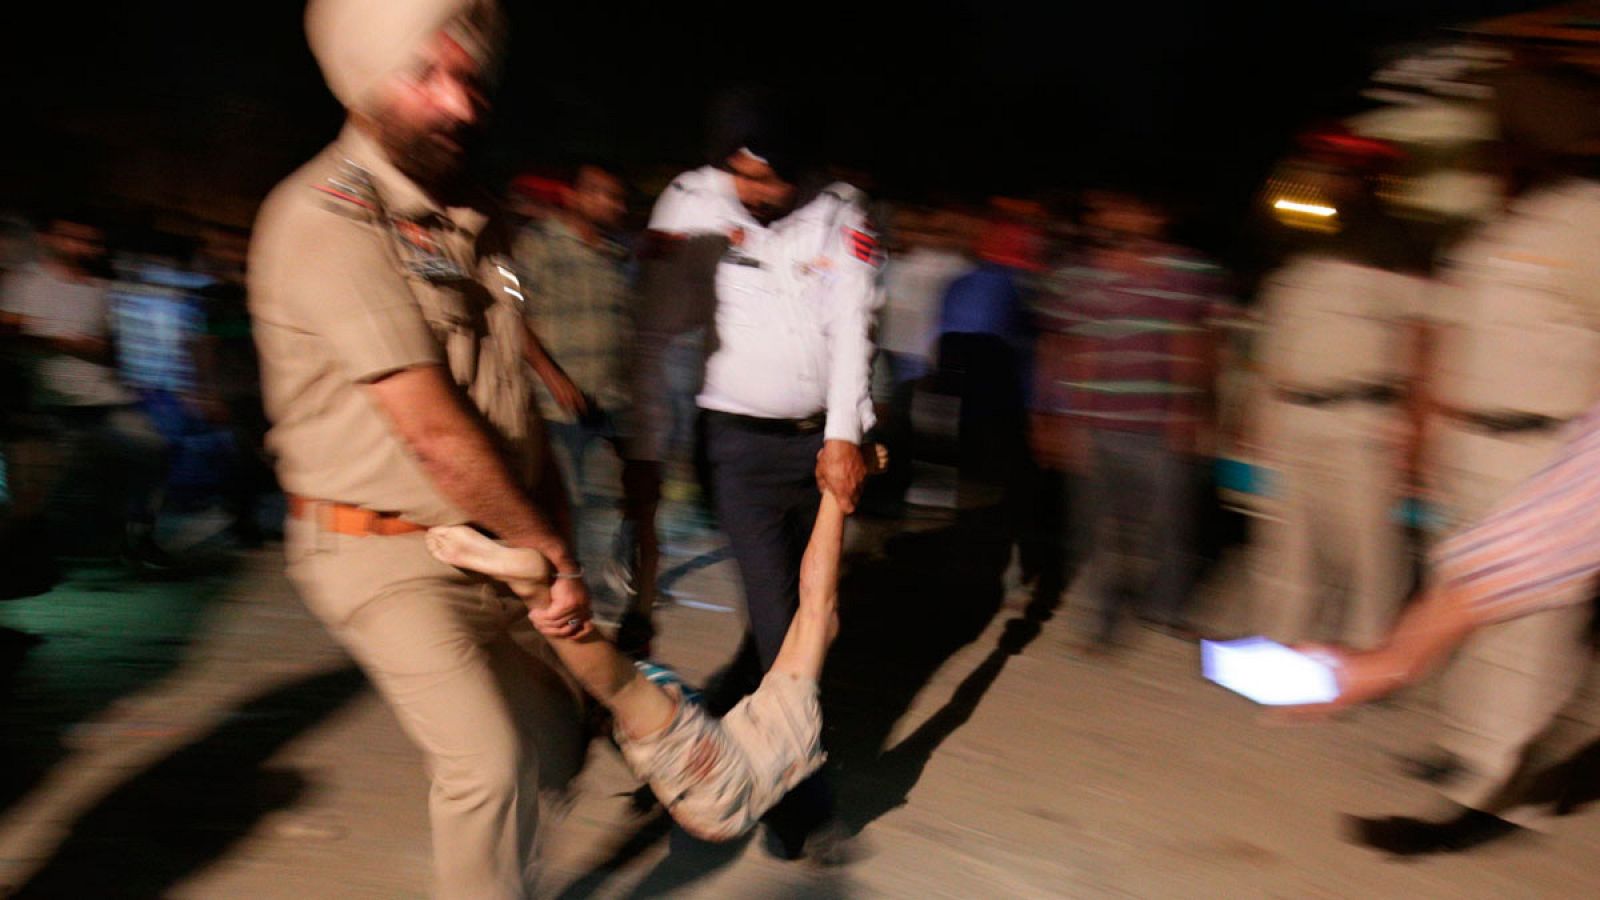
130, 391
427, 364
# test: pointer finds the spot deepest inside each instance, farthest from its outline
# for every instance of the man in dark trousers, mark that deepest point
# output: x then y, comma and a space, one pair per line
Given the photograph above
785, 396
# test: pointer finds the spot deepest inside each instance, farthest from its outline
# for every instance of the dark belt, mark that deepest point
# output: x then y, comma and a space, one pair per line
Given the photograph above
1505, 422
1361, 393
809, 425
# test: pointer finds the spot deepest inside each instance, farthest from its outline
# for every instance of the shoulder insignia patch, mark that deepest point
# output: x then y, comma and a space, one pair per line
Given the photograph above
351, 190
863, 246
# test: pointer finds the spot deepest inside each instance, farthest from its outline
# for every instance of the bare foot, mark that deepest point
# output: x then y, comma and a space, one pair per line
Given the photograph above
524, 570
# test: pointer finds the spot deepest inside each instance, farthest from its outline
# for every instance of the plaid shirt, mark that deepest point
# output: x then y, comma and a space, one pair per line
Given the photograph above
155, 320
578, 297
1540, 543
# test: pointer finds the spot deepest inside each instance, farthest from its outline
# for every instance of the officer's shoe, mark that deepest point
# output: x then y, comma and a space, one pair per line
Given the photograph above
830, 844
1404, 836
146, 560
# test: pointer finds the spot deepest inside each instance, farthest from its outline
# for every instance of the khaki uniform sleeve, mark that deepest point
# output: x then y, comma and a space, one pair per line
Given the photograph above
337, 280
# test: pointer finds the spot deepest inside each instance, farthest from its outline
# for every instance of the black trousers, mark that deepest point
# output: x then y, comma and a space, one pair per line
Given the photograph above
765, 489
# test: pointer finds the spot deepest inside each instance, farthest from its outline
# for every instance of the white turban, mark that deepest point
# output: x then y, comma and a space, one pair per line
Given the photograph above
359, 43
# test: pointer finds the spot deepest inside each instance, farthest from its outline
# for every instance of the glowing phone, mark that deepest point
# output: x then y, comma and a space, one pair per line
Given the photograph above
1268, 672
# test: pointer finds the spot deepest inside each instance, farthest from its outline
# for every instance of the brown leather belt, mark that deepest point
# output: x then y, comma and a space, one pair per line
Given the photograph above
355, 521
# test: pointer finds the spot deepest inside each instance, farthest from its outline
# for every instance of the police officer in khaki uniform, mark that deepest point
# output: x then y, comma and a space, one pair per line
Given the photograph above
1339, 350
388, 319
1518, 357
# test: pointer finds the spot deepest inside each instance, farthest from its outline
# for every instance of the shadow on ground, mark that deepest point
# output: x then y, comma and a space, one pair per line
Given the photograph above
71, 653
179, 815
932, 594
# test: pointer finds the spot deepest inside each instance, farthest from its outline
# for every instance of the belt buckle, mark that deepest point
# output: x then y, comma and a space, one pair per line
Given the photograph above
318, 516
366, 521
808, 425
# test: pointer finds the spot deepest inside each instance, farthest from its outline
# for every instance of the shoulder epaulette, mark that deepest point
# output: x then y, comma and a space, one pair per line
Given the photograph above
350, 191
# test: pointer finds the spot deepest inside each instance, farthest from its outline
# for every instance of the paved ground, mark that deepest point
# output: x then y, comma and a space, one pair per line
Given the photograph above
206, 740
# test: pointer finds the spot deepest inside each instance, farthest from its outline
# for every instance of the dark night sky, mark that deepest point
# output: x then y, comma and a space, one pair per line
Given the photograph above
946, 94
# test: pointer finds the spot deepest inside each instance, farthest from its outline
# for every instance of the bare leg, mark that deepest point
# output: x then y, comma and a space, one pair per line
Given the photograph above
641, 708
524, 571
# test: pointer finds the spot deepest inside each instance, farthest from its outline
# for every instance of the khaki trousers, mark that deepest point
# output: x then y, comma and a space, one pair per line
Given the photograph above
1510, 680
472, 683
1338, 480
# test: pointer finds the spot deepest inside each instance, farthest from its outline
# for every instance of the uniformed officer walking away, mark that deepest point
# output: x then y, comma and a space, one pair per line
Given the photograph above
785, 398
1518, 357
387, 317
1340, 348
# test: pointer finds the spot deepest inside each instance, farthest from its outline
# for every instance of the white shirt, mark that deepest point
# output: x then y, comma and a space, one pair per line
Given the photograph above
57, 308
794, 303
915, 284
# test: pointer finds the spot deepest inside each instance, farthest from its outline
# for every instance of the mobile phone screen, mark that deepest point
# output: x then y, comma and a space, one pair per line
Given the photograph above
1268, 672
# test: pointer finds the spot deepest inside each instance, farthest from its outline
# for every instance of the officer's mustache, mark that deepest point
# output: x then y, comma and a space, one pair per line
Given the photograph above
460, 138
764, 212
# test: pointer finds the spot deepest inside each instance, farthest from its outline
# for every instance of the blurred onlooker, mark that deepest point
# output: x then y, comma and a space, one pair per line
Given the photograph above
157, 315
1129, 380
674, 305
531, 199
26, 564
1519, 307
59, 308
785, 401
930, 253
578, 306
16, 250
915, 280
983, 357
1341, 347
228, 379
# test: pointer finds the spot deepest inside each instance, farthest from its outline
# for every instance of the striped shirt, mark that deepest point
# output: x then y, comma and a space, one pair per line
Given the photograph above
1539, 548
1137, 337
664, 677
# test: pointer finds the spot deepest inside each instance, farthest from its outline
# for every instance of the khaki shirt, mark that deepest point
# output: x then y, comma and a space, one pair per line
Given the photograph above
356, 274
1332, 324
1520, 302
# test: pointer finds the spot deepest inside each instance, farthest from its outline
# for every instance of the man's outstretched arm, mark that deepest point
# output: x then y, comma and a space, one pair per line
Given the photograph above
816, 622
456, 451
1530, 553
